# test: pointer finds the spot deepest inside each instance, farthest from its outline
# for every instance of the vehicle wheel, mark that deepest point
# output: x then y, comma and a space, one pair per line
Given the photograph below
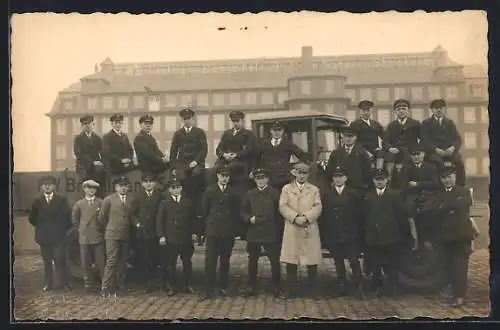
422, 269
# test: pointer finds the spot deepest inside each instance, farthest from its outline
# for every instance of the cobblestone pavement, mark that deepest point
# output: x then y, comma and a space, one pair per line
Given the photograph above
30, 304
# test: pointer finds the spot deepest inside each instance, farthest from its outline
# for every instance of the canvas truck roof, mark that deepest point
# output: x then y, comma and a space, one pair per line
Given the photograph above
302, 114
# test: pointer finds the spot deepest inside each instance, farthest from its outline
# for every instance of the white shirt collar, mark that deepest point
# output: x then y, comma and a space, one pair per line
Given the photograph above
366, 121
148, 192
419, 165
403, 121
90, 199
275, 141
300, 185
263, 188
49, 196
340, 188
222, 187
88, 134
449, 189
188, 129
176, 198
117, 132
381, 191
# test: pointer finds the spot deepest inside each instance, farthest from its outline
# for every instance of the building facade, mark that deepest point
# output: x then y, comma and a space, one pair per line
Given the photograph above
333, 84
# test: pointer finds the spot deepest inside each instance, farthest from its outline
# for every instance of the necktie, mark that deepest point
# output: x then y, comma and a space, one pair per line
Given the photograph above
223, 187
91, 202
188, 129
177, 199
380, 193
275, 142
123, 199
401, 122
49, 198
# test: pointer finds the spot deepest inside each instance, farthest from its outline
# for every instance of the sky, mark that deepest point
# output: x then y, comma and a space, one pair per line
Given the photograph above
51, 51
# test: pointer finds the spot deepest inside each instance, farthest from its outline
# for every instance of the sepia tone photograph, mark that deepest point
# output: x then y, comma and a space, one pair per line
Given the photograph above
252, 166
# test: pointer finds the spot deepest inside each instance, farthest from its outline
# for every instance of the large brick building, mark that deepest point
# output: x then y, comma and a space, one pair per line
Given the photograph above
326, 83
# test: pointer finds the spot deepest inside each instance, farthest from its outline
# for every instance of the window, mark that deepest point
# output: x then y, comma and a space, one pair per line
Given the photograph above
202, 122
61, 151
384, 117
202, 100
153, 103
251, 98
170, 123
484, 115
305, 106
170, 101
218, 99
399, 93
470, 140
469, 115
68, 104
451, 92
105, 124
122, 102
267, 98
485, 140
92, 103
305, 87
219, 122
282, 96
417, 93
234, 98
350, 93
418, 114
365, 94
452, 113
476, 90
75, 123
434, 92
329, 86
471, 166
383, 94
107, 102
186, 100
61, 126
139, 101
486, 165
350, 115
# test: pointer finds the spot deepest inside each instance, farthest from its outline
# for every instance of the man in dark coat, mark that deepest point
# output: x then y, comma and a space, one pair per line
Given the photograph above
342, 226
260, 213
371, 134
117, 150
188, 153
386, 229
237, 150
442, 140
220, 211
177, 228
453, 228
150, 158
145, 210
353, 158
402, 133
51, 216
274, 155
417, 182
87, 147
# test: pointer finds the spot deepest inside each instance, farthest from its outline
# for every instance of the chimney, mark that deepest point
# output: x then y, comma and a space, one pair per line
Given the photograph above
307, 58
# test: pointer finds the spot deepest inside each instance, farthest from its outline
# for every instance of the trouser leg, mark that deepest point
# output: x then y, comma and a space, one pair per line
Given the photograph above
312, 278
273, 253
186, 254
109, 277
60, 263
291, 279
121, 270
86, 256
211, 256
459, 264
47, 252
253, 250
225, 257
99, 252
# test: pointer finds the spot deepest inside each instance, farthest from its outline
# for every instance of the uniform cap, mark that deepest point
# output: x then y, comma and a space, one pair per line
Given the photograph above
121, 181
348, 131
416, 148
90, 184
174, 182
116, 117
260, 172
447, 170
277, 125
148, 177
48, 179
86, 119
438, 103
186, 113
301, 167
401, 103
365, 104
380, 174
339, 171
224, 170
235, 115
146, 119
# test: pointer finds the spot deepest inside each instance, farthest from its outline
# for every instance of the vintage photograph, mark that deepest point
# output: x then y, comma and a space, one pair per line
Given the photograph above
252, 166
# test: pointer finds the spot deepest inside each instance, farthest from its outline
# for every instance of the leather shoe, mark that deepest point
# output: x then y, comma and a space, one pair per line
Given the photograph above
206, 296
189, 289
457, 302
47, 288
277, 292
223, 292
250, 292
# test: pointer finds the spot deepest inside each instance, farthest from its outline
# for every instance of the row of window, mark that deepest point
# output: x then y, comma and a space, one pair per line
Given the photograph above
471, 163
386, 94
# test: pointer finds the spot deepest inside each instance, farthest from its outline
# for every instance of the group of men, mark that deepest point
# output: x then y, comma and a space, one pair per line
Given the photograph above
278, 211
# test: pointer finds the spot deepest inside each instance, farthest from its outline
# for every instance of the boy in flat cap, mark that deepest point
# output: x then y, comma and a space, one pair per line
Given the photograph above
386, 222
353, 158
442, 140
188, 152
371, 134
117, 150
402, 133
51, 216
88, 150
220, 212
300, 206
150, 158
90, 233
146, 203
342, 227
261, 214
236, 149
177, 230
454, 229
116, 219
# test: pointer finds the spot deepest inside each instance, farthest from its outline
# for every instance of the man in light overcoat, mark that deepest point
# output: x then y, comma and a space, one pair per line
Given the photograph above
300, 205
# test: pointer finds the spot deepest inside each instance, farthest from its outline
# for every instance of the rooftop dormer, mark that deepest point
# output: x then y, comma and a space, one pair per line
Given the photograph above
444, 67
